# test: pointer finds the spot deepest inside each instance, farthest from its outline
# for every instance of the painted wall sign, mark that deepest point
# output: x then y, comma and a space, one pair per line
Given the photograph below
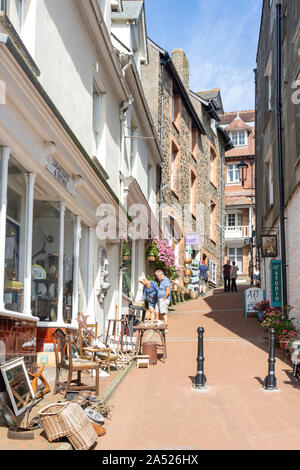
276, 284
251, 297
60, 174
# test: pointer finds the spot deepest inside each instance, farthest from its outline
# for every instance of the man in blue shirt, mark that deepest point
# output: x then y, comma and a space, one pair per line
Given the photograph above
204, 278
164, 295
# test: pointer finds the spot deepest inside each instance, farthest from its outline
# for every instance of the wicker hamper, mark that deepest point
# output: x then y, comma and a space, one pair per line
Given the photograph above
68, 420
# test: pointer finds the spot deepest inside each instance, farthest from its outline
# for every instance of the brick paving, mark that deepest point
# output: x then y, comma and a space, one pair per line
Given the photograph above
156, 408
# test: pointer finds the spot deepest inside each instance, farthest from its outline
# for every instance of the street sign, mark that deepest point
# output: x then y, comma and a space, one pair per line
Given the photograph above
276, 283
251, 297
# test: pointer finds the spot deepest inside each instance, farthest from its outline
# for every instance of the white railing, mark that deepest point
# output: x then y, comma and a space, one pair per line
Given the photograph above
239, 231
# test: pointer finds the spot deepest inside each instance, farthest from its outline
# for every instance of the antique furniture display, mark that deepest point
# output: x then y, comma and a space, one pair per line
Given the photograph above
161, 330
67, 358
18, 385
88, 336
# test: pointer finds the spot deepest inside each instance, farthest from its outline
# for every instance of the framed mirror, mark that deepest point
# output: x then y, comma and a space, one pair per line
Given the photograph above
18, 384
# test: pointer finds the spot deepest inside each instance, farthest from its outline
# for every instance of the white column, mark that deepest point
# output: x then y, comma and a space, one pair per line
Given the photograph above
4, 157
91, 273
30, 180
133, 270
60, 304
77, 237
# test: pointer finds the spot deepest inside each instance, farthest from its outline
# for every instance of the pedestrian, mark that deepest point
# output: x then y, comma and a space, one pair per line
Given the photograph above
164, 295
150, 293
233, 276
204, 278
226, 275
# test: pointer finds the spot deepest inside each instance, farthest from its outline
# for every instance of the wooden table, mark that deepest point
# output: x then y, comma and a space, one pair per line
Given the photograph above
161, 330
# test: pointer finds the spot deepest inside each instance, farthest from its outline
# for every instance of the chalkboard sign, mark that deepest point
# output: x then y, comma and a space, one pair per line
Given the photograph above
251, 297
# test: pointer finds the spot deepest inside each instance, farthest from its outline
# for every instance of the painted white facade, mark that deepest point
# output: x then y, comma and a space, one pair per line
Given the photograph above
51, 116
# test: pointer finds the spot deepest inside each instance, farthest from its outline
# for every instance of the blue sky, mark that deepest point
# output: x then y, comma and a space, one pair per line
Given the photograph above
219, 38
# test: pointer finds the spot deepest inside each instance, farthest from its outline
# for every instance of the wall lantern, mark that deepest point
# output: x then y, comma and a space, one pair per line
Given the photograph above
243, 168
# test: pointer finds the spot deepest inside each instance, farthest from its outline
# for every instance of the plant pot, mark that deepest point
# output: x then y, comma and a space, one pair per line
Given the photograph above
126, 258
187, 272
187, 280
151, 258
283, 344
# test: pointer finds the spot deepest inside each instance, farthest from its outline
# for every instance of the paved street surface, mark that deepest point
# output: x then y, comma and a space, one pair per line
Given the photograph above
156, 408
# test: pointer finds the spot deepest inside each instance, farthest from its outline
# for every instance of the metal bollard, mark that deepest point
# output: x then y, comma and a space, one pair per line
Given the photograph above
270, 382
200, 379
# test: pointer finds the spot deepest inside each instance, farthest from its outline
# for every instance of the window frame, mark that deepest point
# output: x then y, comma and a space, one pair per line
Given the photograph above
97, 115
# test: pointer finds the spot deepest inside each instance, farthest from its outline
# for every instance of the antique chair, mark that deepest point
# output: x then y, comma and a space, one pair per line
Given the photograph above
67, 358
87, 334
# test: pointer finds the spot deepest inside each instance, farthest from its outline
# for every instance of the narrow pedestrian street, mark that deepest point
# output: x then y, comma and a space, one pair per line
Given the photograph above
156, 408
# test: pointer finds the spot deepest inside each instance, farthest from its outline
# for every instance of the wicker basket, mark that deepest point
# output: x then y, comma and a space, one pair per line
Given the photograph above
68, 420
194, 295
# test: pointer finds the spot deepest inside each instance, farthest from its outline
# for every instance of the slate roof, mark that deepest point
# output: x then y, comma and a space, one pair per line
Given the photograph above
131, 10
246, 116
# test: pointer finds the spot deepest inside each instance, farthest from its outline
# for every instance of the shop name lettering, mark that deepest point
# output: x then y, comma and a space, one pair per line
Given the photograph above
276, 283
60, 174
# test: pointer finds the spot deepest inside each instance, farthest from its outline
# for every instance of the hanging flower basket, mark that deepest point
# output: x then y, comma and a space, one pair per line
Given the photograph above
151, 258
126, 258
188, 261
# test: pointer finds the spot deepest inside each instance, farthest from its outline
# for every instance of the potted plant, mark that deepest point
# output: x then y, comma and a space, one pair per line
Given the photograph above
261, 307
164, 257
287, 337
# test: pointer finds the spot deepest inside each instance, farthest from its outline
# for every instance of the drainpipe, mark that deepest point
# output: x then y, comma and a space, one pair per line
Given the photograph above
280, 155
222, 212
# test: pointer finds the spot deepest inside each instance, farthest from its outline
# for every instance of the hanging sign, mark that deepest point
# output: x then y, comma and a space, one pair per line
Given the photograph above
276, 284
251, 297
192, 239
60, 174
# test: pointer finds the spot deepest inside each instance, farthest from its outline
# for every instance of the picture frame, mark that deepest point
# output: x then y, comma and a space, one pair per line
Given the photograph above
18, 384
269, 246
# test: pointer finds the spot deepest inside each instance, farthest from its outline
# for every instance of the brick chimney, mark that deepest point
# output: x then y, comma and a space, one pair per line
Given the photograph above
182, 66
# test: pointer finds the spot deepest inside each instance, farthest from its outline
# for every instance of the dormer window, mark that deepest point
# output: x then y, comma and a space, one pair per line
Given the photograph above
239, 138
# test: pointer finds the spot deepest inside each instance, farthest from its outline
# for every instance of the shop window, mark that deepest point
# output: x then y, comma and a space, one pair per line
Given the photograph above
45, 255
212, 271
126, 258
14, 287
83, 269
68, 266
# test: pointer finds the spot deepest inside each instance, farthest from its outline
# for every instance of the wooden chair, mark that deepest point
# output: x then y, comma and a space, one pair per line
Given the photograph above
87, 333
64, 351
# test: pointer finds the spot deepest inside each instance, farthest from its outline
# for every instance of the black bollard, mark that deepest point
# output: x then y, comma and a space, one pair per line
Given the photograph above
270, 382
200, 379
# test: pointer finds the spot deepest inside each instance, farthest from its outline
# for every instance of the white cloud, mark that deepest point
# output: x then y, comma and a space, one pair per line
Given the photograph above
221, 50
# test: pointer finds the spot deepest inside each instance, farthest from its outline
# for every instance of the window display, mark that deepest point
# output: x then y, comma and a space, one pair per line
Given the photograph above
68, 266
45, 249
13, 292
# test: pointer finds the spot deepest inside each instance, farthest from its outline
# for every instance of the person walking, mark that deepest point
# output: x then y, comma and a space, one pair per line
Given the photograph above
150, 292
164, 295
233, 276
226, 275
256, 276
204, 278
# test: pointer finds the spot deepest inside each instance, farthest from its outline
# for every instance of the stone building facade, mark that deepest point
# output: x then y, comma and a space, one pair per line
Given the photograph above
191, 195
267, 161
